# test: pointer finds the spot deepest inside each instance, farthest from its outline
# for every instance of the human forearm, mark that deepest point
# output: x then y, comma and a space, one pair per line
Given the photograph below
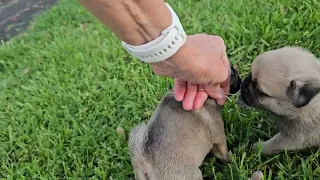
133, 21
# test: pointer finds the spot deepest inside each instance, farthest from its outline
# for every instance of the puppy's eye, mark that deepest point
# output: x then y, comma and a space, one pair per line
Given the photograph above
258, 89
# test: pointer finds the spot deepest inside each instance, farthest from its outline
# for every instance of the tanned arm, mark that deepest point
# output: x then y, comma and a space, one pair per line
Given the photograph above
133, 21
201, 63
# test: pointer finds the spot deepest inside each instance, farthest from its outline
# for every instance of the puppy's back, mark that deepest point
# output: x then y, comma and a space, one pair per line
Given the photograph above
171, 125
173, 137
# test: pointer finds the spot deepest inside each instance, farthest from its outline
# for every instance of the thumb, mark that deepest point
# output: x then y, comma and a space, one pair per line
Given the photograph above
216, 92
226, 85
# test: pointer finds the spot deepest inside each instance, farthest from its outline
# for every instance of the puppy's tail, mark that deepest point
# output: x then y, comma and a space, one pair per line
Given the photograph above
137, 140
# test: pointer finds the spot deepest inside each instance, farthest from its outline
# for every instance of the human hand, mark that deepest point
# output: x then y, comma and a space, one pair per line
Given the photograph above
200, 69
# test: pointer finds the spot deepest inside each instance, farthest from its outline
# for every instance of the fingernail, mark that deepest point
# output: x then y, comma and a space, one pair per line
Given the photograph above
178, 98
186, 106
219, 93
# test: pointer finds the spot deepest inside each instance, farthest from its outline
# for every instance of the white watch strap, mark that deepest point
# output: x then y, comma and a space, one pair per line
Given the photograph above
163, 47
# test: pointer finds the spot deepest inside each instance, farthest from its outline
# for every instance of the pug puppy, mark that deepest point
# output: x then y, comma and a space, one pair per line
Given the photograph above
174, 143
286, 81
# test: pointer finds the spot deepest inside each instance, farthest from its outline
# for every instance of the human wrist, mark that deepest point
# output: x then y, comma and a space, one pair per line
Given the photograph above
163, 46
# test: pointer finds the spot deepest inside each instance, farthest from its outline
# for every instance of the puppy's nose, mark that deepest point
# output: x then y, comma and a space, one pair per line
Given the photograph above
245, 83
236, 86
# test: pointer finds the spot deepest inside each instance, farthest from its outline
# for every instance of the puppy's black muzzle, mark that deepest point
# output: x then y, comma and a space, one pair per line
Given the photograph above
247, 93
235, 81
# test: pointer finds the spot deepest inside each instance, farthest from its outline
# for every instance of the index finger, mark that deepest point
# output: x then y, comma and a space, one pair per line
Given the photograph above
226, 85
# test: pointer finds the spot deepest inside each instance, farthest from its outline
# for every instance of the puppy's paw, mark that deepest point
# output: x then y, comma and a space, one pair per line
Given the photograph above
255, 145
257, 175
226, 159
266, 150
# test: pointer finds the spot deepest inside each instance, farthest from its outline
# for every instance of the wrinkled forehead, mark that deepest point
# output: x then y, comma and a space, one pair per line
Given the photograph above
273, 70
269, 71
270, 75
285, 61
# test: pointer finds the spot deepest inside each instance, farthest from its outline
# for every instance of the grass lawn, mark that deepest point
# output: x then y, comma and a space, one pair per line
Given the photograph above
66, 85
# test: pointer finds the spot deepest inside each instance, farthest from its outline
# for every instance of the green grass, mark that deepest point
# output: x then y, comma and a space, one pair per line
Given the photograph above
66, 85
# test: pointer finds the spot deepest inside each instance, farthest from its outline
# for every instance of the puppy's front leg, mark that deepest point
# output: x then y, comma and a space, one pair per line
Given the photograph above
279, 143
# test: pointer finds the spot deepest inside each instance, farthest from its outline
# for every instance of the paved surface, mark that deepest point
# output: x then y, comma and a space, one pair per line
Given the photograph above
15, 15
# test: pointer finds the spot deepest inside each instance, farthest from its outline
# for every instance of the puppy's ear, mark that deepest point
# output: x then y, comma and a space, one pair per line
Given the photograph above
302, 92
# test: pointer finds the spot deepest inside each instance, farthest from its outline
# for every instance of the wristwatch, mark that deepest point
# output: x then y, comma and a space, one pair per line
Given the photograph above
164, 46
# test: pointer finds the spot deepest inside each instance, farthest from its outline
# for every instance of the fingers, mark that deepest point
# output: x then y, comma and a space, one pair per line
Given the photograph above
217, 93
215, 54
221, 101
200, 98
190, 95
226, 85
220, 91
180, 88
225, 88
193, 99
